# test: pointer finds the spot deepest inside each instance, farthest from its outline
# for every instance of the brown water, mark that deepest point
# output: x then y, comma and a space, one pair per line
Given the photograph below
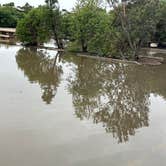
74, 111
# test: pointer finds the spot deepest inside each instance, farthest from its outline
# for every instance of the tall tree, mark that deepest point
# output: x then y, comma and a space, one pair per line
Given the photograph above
55, 21
90, 27
11, 4
33, 29
160, 35
137, 21
9, 16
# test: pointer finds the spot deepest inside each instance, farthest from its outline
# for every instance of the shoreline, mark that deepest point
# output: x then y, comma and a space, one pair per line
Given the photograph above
107, 59
144, 60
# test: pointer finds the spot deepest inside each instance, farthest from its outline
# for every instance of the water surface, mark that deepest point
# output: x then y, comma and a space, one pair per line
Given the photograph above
73, 111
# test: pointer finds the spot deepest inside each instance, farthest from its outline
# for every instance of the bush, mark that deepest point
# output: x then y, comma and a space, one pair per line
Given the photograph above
90, 29
9, 16
33, 29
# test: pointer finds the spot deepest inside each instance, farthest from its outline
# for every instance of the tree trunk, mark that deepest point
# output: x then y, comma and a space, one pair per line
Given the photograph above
54, 25
84, 45
58, 41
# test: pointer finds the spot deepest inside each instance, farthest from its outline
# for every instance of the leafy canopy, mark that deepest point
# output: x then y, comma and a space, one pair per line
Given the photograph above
34, 29
9, 16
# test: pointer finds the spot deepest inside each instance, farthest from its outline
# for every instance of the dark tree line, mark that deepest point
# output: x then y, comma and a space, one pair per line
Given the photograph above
119, 30
10, 14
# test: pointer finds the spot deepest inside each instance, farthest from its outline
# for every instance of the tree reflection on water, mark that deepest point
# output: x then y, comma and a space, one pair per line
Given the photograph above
41, 69
114, 95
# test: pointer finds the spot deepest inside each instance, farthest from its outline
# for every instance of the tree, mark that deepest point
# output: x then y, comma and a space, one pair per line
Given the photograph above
34, 29
66, 26
90, 28
135, 24
9, 16
55, 21
160, 35
11, 4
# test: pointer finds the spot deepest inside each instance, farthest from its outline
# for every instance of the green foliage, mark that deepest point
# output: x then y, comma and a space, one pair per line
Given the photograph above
66, 25
143, 19
73, 46
34, 29
90, 29
135, 24
11, 4
120, 33
160, 35
55, 21
9, 16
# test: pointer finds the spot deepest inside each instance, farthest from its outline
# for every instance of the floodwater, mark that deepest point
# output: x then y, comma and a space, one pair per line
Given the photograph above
63, 110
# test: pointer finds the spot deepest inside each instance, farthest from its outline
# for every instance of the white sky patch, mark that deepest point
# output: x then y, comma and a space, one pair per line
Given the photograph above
65, 4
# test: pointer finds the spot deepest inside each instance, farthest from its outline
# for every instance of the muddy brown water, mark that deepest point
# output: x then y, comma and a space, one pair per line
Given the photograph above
63, 110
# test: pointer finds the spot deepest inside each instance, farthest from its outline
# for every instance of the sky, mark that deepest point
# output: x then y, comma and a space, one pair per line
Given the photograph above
65, 4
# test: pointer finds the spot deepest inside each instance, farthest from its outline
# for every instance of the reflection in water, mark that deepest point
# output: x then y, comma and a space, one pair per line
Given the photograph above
116, 95
40, 69
7, 43
108, 95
